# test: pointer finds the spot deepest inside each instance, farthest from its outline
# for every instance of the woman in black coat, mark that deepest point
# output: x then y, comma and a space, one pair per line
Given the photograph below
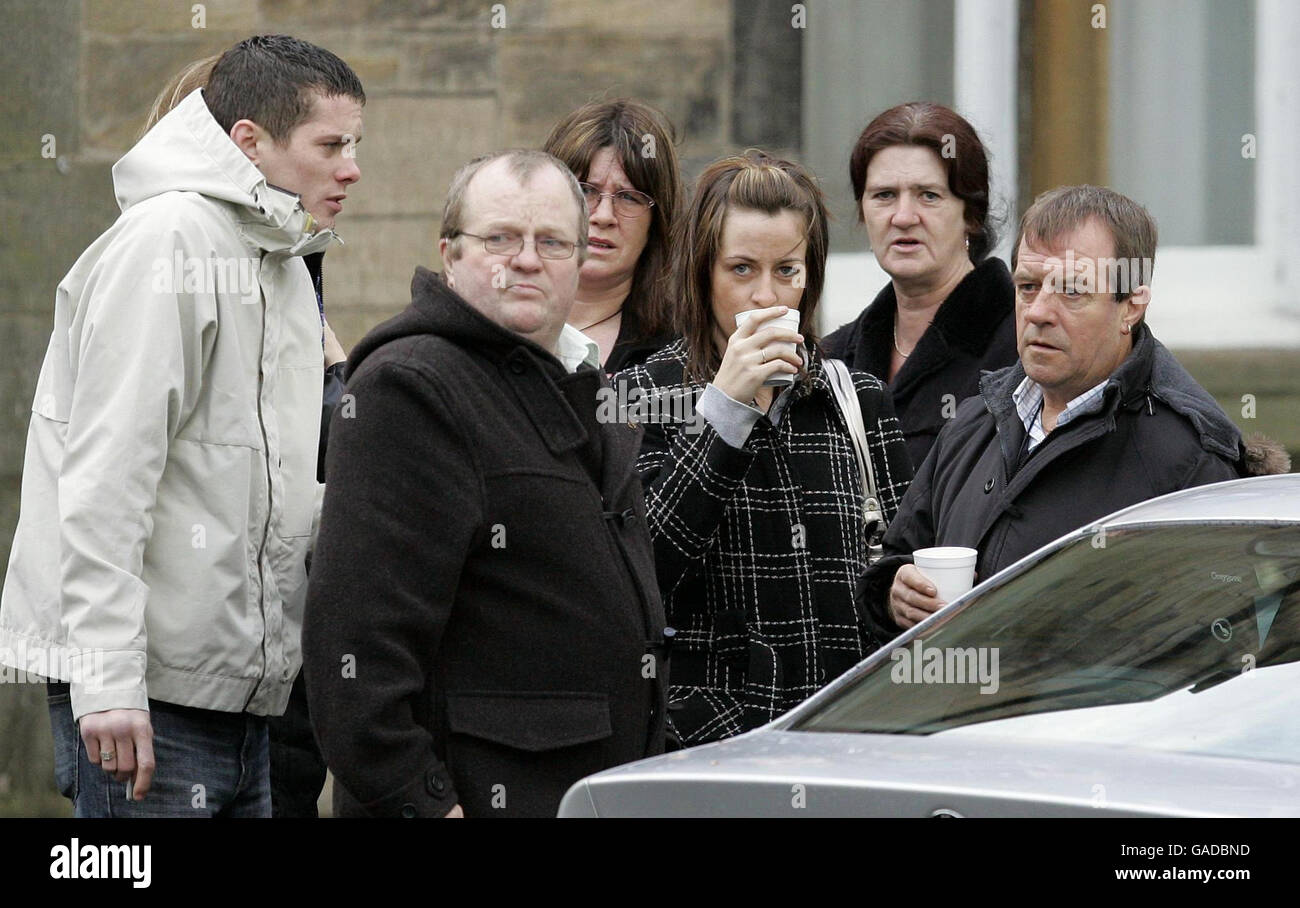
753, 494
921, 180
623, 154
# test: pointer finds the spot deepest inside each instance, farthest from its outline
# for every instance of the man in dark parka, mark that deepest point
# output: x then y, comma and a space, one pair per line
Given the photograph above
483, 623
1097, 414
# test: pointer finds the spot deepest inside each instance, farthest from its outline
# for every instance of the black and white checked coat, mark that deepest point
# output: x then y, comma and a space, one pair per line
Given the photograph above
758, 550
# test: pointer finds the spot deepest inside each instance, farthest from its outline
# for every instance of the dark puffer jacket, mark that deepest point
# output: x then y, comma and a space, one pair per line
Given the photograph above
973, 331
1157, 432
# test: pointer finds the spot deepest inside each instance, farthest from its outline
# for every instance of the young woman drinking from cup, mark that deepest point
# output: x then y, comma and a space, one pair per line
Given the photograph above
753, 492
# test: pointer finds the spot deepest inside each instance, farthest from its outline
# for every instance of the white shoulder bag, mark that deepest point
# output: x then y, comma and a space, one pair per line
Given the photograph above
841, 382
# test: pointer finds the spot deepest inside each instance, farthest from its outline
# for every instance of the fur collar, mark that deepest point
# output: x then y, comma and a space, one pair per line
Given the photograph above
967, 320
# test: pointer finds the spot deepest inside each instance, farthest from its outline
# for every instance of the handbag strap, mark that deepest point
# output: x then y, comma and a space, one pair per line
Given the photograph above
841, 382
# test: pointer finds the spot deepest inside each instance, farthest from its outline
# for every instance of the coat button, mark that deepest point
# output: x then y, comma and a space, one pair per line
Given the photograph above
517, 366
434, 785
988, 486
629, 517
408, 811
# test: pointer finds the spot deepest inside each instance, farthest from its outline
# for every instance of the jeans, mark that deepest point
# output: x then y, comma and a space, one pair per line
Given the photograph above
208, 764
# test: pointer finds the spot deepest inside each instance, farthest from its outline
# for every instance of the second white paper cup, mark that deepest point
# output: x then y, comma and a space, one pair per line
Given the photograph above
950, 568
789, 320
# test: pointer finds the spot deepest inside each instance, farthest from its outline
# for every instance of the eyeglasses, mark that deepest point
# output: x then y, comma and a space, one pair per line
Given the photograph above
548, 247
628, 203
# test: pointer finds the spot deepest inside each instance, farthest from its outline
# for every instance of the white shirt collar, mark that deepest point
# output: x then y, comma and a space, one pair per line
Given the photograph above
574, 349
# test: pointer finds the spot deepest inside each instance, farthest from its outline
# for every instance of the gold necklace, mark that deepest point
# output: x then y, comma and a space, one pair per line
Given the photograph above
900, 349
896, 347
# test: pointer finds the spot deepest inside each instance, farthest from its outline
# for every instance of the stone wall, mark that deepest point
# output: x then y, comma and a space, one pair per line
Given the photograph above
445, 80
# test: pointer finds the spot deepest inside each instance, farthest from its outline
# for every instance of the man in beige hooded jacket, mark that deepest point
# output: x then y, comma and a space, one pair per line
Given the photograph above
169, 486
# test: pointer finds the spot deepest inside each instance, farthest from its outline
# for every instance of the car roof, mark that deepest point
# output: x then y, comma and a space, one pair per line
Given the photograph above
1258, 498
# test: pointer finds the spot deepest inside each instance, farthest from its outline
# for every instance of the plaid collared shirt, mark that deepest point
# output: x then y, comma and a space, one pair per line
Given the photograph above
1028, 397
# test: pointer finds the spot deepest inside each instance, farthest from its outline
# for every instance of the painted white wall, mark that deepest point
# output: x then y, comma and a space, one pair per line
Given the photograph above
1202, 297
985, 49
1277, 186
1218, 296
852, 282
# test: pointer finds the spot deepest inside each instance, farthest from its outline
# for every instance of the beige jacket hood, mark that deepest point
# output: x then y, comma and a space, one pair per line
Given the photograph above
168, 486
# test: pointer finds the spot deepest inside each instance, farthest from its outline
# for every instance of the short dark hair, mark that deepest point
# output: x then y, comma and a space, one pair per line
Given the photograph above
758, 182
1067, 208
954, 140
270, 79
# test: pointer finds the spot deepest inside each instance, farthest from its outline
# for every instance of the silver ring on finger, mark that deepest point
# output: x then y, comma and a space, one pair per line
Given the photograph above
763, 355
107, 756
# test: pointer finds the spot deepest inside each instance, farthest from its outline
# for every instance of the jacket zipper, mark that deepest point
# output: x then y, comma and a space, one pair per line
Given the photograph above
320, 288
266, 459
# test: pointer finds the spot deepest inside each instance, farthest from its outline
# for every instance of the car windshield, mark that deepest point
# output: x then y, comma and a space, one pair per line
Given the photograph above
1171, 637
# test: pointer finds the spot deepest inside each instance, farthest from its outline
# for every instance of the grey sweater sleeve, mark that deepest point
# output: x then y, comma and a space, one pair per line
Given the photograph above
732, 420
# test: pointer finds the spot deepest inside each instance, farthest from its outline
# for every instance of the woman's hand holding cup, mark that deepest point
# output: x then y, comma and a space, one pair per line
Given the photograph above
759, 350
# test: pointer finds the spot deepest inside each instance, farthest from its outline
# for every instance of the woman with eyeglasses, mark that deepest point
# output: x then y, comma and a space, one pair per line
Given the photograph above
754, 498
622, 153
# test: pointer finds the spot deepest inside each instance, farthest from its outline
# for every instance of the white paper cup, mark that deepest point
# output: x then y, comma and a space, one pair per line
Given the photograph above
789, 320
950, 568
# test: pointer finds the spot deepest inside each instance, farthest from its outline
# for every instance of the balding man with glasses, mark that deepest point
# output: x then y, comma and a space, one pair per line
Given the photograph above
483, 625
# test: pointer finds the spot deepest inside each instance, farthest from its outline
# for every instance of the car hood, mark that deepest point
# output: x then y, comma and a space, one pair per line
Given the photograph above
782, 773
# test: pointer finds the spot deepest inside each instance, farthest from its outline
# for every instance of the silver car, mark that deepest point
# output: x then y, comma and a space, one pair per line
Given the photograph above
1148, 665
